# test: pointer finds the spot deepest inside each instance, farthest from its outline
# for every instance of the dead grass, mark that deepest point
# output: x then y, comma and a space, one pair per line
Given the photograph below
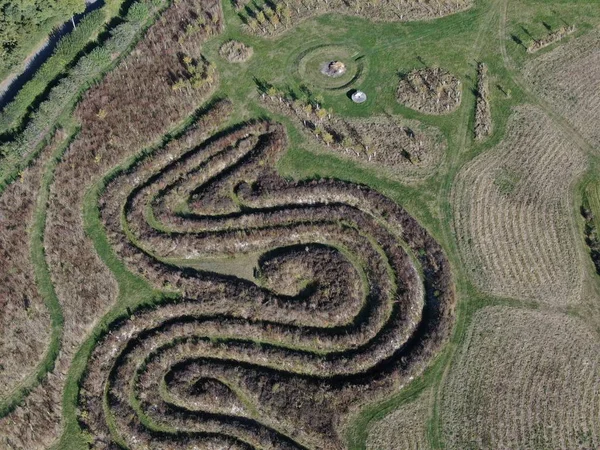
403, 429
568, 77
401, 148
274, 17
24, 319
431, 90
524, 379
513, 213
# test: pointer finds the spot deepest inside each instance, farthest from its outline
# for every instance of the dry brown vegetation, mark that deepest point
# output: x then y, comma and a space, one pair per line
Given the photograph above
402, 148
551, 38
235, 51
133, 107
513, 218
430, 91
274, 17
338, 313
403, 429
524, 379
568, 78
24, 319
483, 113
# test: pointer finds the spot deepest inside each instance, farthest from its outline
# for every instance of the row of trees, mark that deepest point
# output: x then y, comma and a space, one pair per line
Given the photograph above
24, 23
64, 95
65, 52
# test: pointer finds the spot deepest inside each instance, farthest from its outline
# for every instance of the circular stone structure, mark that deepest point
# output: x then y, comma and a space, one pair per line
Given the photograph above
359, 97
330, 67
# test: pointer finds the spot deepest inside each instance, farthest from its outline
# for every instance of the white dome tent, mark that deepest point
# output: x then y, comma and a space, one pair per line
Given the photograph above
359, 97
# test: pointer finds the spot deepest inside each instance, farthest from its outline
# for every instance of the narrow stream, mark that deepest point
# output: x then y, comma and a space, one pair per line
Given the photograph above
9, 92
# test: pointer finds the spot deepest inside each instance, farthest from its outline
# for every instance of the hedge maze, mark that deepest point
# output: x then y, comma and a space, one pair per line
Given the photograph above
208, 243
351, 296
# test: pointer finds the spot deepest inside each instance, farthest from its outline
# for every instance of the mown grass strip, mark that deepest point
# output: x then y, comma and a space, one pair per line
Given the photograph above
134, 292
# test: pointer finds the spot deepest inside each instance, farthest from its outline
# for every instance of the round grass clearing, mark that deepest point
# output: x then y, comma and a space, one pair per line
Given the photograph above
311, 61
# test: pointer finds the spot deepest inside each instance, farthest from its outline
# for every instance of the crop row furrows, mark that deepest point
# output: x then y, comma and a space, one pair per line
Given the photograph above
559, 78
544, 396
405, 428
340, 312
513, 213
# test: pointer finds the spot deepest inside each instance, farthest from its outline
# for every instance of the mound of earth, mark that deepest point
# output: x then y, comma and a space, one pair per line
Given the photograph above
430, 91
333, 69
236, 51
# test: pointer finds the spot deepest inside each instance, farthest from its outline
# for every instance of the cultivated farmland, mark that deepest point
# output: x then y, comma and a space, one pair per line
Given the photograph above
524, 379
568, 78
316, 225
514, 215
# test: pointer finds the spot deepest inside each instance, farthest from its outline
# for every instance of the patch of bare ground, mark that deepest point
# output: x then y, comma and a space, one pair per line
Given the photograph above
568, 78
351, 296
525, 379
513, 213
403, 429
431, 91
274, 17
404, 149
132, 108
24, 318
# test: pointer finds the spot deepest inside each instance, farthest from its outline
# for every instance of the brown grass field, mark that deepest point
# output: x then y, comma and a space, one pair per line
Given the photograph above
524, 379
514, 216
568, 78
404, 428
24, 318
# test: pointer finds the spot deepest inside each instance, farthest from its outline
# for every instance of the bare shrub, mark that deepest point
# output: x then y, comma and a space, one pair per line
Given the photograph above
324, 327
430, 90
403, 148
24, 319
551, 38
133, 107
276, 16
483, 114
235, 51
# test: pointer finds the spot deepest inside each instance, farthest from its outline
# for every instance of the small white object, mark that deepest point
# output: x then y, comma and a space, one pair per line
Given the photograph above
359, 97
